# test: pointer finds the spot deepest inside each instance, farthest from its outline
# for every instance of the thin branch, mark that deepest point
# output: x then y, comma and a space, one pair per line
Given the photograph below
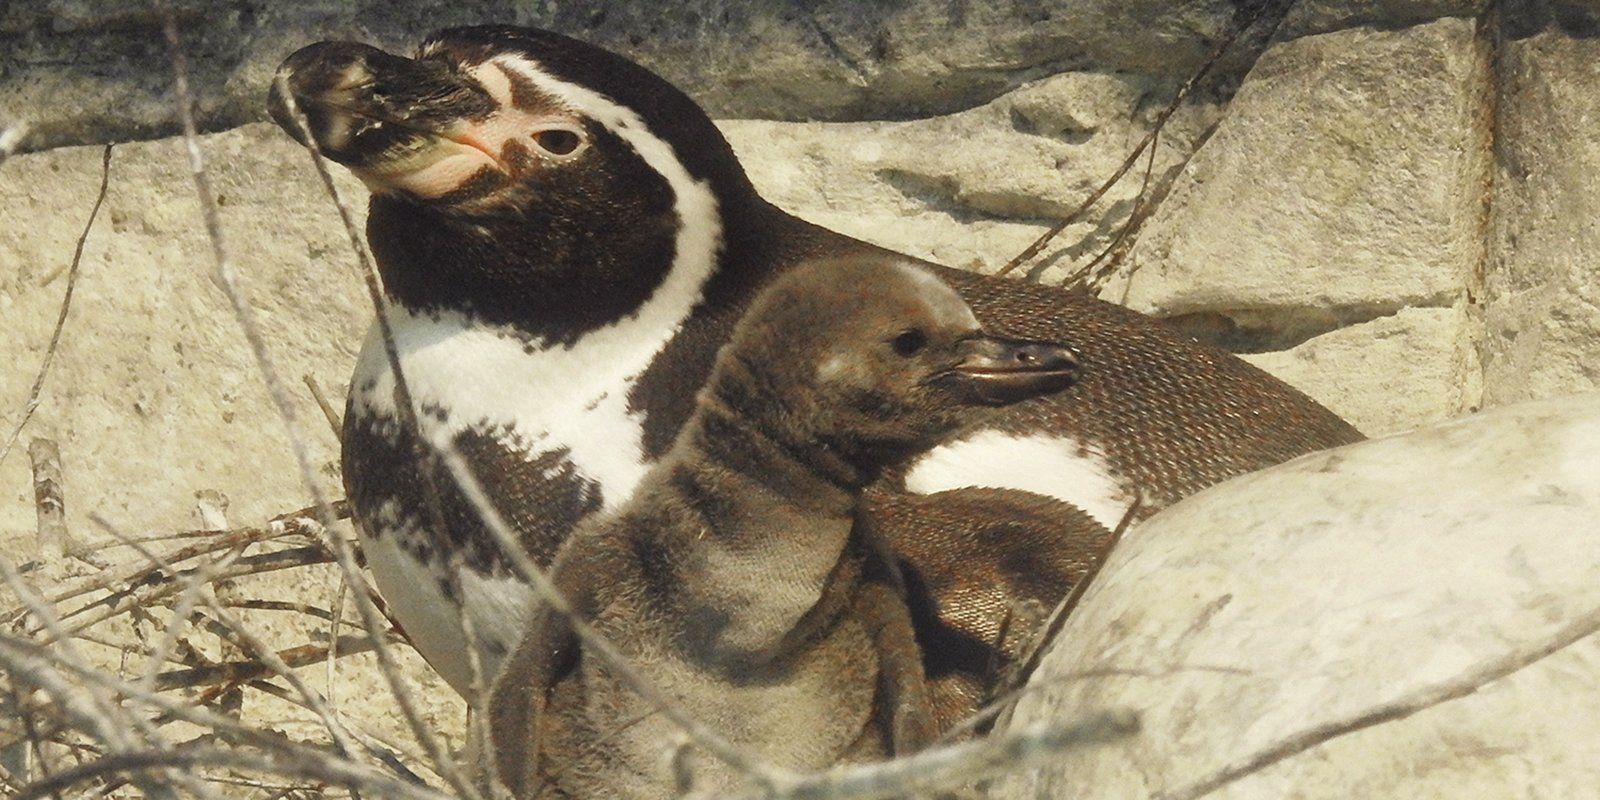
66, 306
344, 773
49, 500
298, 523
180, 617
245, 315
1236, 28
328, 411
302, 522
1093, 276
948, 768
40, 664
1058, 616
243, 671
121, 602
1454, 688
251, 644
100, 714
1143, 205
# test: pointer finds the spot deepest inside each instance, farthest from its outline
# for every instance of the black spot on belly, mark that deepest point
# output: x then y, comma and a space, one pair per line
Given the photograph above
542, 498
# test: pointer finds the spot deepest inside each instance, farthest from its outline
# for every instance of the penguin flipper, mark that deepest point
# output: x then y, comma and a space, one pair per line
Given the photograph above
547, 652
905, 707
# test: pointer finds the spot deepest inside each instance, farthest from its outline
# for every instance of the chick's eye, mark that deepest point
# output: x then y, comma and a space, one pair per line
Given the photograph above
558, 141
909, 343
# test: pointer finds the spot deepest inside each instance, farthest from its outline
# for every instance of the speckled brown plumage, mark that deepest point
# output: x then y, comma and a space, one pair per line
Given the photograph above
741, 577
983, 568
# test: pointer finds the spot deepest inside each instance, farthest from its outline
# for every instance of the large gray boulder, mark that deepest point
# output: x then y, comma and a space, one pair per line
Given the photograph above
1318, 589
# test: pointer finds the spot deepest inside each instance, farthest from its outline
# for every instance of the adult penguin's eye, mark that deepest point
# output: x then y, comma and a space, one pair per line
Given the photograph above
909, 343
558, 141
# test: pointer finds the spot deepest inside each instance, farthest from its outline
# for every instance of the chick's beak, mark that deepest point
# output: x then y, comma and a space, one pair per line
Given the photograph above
996, 371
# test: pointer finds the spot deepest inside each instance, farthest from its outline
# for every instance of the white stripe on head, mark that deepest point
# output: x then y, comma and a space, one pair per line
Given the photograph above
943, 300
573, 397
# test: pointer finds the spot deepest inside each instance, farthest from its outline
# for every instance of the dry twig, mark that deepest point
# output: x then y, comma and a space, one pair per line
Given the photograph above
1243, 21
245, 316
1422, 699
66, 306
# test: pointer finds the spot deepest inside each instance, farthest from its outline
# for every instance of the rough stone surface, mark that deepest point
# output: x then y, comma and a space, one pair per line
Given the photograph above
973, 188
1345, 178
153, 395
1543, 314
89, 71
1390, 374
1312, 591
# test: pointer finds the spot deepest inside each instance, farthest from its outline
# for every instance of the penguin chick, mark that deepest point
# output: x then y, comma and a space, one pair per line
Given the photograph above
739, 577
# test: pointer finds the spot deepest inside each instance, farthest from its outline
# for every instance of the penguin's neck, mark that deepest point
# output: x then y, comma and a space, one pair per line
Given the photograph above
774, 471
764, 543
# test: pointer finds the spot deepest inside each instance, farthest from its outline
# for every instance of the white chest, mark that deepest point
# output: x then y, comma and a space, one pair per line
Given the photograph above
467, 376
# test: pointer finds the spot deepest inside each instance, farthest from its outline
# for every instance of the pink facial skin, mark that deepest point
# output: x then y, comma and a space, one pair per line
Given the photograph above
469, 150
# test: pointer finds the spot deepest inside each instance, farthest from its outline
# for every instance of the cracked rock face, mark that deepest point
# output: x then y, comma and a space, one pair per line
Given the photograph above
1316, 590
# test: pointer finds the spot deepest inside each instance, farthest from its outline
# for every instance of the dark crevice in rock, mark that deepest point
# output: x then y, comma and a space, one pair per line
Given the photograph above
1267, 330
943, 194
1486, 96
1520, 19
862, 74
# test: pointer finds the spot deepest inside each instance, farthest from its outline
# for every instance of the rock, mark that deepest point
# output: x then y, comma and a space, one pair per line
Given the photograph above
972, 189
88, 72
1389, 374
1347, 174
153, 394
1313, 591
1542, 310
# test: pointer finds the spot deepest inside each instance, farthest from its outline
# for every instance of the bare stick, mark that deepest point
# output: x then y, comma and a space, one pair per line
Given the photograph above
211, 506
248, 565
1427, 697
328, 411
1142, 203
170, 637
948, 768
297, 523
248, 670
249, 642
335, 617
1091, 277
108, 720
286, 524
48, 500
285, 408
1058, 616
328, 770
40, 665
115, 724
66, 306
1236, 28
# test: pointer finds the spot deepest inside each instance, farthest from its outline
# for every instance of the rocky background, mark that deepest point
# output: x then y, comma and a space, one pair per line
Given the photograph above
1391, 204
